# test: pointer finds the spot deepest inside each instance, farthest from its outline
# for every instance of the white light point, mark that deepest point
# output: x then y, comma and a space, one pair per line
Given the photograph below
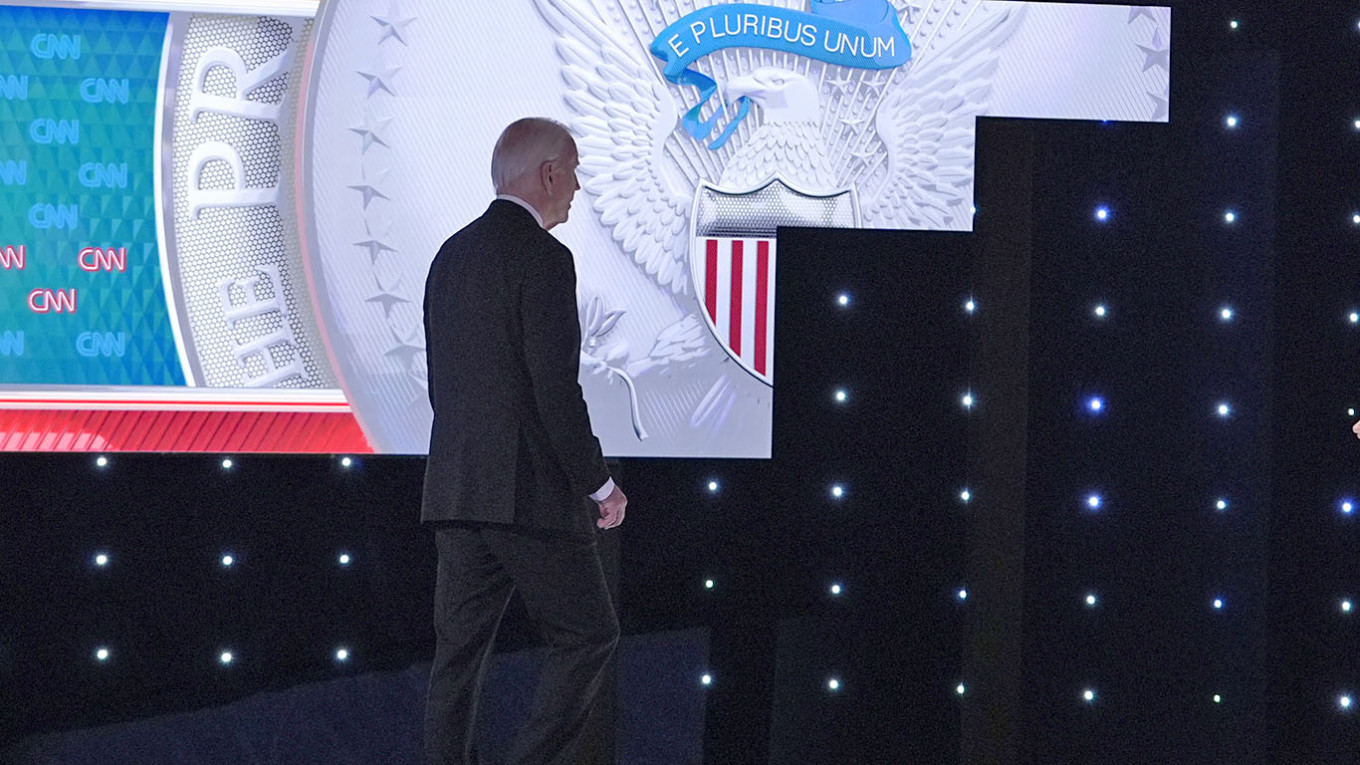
342, 654
1231, 121
227, 561
706, 679
1224, 410
1346, 606
970, 306
835, 589
960, 689
1218, 699
1355, 219
842, 396
965, 496
1088, 695
1234, 25
1221, 504
1093, 501
101, 560
1230, 217
227, 463
1100, 311
833, 685
226, 658
713, 487
1218, 604
1347, 507
1092, 600
968, 401
963, 594
838, 491
101, 461
101, 654
1344, 702
1354, 317
708, 584
1102, 214
344, 559
843, 300
346, 462
1096, 404
1225, 314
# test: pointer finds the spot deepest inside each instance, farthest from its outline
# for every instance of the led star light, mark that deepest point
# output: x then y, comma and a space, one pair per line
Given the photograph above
960, 689
706, 679
1226, 314
1347, 506
1344, 702
1222, 504
227, 463
712, 486
843, 300
833, 684
1224, 410
1355, 317
226, 658
342, 655
1102, 214
101, 560
1230, 217
344, 559
841, 396
101, 461
966, 495
1093, 501
838, 491
1091, 600
102, 654
1096, 405
1088, 695
1100, 311
346, 462
1218, 604
970, 306
963, 594
227, 561
1346, 606
1355, 218
1231, 121
968, 401
835, 589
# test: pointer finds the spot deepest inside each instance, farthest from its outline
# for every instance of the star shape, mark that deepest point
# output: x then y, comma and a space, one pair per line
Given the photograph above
387, 299
369, 191
1156, 55
854, 122
374, 243
1137, 11
1160, 106
394, 24
844, 84
379, 77
406, 349
370, 130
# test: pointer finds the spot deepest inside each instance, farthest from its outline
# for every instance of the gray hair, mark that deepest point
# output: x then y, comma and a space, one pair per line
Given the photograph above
524, 146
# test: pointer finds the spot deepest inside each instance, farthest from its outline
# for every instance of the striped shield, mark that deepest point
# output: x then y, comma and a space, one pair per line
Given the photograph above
732, 261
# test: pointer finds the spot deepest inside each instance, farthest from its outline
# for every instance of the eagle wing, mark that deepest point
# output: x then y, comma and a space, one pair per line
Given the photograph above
929, 126
624, 117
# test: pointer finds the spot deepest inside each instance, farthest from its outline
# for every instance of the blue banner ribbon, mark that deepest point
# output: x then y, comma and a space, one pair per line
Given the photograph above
863, 34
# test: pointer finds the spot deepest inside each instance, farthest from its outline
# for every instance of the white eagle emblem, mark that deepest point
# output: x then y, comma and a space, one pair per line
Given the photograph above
900, 140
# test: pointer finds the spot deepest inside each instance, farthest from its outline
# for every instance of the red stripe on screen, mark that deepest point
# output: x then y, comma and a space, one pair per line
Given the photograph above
762, 303
711, 281
735, 319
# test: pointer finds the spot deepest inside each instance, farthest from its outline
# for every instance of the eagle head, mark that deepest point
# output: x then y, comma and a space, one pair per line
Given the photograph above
782, 95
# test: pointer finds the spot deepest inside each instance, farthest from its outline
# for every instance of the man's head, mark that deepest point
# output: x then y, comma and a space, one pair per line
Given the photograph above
535, 160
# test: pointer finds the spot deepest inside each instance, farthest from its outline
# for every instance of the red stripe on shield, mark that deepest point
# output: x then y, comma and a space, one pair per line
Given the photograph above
711, 281
762, 303
735, 322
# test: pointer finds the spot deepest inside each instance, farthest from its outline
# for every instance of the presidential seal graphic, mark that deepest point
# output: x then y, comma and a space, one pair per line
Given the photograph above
703, 128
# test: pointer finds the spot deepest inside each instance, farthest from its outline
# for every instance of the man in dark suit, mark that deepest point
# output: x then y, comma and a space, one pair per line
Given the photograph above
514, 465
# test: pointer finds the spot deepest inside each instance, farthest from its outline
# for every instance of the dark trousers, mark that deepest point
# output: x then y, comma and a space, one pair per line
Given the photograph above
562, 584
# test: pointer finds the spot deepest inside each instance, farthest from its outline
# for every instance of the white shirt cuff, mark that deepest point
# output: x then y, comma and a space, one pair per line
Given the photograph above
604, 491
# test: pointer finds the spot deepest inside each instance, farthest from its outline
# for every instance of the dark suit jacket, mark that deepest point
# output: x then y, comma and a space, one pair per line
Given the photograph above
512, 441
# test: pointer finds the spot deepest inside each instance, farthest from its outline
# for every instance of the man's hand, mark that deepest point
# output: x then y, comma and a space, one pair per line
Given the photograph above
611, 509
1356, 430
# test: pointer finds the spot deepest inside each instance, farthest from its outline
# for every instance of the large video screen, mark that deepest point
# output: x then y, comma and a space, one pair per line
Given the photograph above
217, 226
